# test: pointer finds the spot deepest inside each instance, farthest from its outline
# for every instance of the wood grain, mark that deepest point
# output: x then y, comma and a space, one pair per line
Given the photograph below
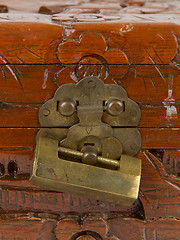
26, 115
159, 190
151, 230
152, 70
35, 84
40, 52
160, 138
162, 229
90, 228
54, 44
22, 201
27, 228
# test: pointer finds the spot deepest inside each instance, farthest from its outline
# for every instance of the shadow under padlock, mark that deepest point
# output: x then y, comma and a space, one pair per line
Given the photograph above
86, 146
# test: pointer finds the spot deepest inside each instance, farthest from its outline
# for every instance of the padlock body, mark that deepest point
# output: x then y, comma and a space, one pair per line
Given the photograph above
53, 173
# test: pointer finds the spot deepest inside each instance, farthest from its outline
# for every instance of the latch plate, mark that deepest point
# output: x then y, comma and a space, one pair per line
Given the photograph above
88, 141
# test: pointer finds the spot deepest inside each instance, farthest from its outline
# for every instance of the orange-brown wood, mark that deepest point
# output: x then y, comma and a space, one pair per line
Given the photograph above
159, 190
27, 228
155, 229
112, 41
34, 84
160, 138
96, 228
89, 228
26, 115
40, 52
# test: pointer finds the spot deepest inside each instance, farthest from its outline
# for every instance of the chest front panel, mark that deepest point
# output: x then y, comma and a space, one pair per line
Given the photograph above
140, 53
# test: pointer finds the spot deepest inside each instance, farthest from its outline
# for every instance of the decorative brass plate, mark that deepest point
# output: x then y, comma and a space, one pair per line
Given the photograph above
87, 147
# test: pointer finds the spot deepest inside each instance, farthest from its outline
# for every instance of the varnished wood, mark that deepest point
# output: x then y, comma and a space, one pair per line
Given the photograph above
159, 190
37, 83
40, 52
34, 228
26, 115
27, 228
160, 138
154, 229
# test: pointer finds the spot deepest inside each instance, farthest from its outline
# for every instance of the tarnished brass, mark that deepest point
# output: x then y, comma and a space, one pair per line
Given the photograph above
54, 173
83, 148
89, 156
66, 107
115, 106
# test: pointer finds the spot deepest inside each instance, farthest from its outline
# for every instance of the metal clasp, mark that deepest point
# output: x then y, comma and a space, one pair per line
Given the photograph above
86, 146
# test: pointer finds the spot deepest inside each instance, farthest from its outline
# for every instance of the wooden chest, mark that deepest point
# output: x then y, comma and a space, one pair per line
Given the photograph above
133, 43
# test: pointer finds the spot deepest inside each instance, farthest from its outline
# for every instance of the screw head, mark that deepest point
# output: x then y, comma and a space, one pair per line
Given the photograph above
67, 107
115, 106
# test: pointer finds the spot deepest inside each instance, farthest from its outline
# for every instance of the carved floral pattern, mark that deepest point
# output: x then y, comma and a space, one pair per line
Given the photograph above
91, 229
91, 56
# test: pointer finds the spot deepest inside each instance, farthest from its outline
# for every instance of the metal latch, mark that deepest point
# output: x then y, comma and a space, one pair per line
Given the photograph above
88, 141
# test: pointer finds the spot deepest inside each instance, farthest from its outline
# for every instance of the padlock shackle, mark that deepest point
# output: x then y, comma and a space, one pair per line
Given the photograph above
101, 161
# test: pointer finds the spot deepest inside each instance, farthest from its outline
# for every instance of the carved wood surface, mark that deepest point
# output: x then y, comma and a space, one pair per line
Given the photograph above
66, 43
158, 138
27, 228
89, 228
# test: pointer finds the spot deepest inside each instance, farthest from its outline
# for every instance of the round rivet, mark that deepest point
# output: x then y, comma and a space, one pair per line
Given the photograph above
115, 106
90, 155
46, 112
67, 107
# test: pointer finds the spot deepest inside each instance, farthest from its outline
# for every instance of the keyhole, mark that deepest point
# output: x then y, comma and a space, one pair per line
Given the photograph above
86, 235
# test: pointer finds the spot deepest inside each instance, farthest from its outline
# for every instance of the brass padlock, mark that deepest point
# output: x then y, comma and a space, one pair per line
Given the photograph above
86, 146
